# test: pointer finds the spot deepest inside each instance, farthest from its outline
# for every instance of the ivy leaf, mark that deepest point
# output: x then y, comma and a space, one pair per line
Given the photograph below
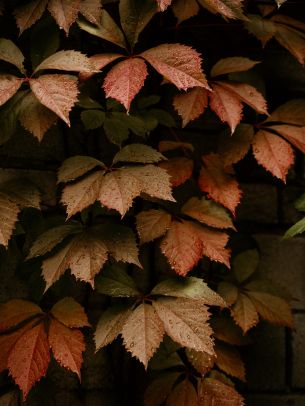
93, 119
76, 166
9, 215
212, 391
165, 146
10, 53
295, 135
16, 311
57, 92
244, 313
158, 391
152, 224
227, 331
116, 283
110, 325
67, 346
125, 80
70, 313
28, 14
143, 332
228, 291
297, 228
64, 12
91, 10
228, 359
34, 117
105, 28
185, 321
245, 264
200, 360
140, 153
180, 169
273, 153
179, 64
184, 10
207, 212
292, 112
191, 104
232, 64
183, 394
215, 180
9, 85
135, 15
261, 28
71, 60
227, 8
29, 359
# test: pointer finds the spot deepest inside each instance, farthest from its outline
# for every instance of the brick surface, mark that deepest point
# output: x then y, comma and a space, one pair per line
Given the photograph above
275, 400
298, 352
284, 262
259, 204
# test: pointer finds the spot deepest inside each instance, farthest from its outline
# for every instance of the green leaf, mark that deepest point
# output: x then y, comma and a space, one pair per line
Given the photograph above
300, 203
297, 228
116, 131
135, 124
115, 282
163, 117
148, 101
245, 264
92, 119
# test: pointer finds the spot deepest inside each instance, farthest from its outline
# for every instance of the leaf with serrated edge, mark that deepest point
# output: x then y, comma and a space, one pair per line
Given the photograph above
228, 291
184, 10
115, 282
200, 360
143, 332
28, 14
295, 135
189, 288
91, 10
16, 311
71, 60
218, 183
152, 224
227, 8
232, 64
57, 92
29, 359
185, 321
110, 325
98, 62
125, 80
191, 104
261, 28
64, 12
216, 393
228, 359
76, 166
180, 169
10, 53
183, 394
140, 153
8, 215
244, 313
9, 85
179, 64
245, 264
67, 346
70, 313
207, 212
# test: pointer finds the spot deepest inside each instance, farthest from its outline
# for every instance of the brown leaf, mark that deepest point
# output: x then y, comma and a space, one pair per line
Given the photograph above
76, 166
227, 331
180, 169
191, 104
261, 28
233, 149
232, 64
64, 12
179, 64
185, 9
70, 313
143, 332
71, 60
227, 8
216, 393
125, 80
28, 14
10, 53
9, 85
67, 346
91, 10
228, 359
183, 394
292, 112
244, 313
185, 321
57, 92
273, 153
9, 211
157, 392
292, 40
29, 359
217, 182
165, 146
16, 311
139, 153
228, 291
152, 224
200, 360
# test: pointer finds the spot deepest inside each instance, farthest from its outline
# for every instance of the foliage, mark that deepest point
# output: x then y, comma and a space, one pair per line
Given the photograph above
144, 213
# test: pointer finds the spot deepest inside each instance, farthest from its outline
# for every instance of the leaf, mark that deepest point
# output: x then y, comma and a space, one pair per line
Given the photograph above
207, 212
71, 60
70, 313
152, 224
135, 15
9, 399
9, 85
105, 28
57, 92
227, 331
91, 10
16, 311
217, 182
245, 264
200, 360
116, 282
216, 393
244, 313
232, 64
28, 14
228, 359
180, 169
29, 359
142, 333
76, 166
228, 291
183, 394
64, 12
93, 119
292, 41
157, 392
227, 8
67, 346
22, 192
292, 112
8, 215
185, 321
273, 153
297, 228
295, 135
140, 153
125, 80
226, 105
165, 146
34, 117
110, 325
163, 4
10, 53
185, 9
191, 104
188, 288
179, 64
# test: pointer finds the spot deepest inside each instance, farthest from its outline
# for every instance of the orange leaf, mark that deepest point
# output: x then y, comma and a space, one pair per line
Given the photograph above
180, 169
216, 393
191, 104
64, 12
152, 224
244, 313
295, 135
15, 311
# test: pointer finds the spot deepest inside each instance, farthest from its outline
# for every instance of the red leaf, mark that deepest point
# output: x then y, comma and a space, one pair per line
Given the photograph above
67, 346
217, 182
125, 80
191, 104
29, 359
180, 169
273, 153
64, 12
9, 85
179, 64
15, 311
28, 14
